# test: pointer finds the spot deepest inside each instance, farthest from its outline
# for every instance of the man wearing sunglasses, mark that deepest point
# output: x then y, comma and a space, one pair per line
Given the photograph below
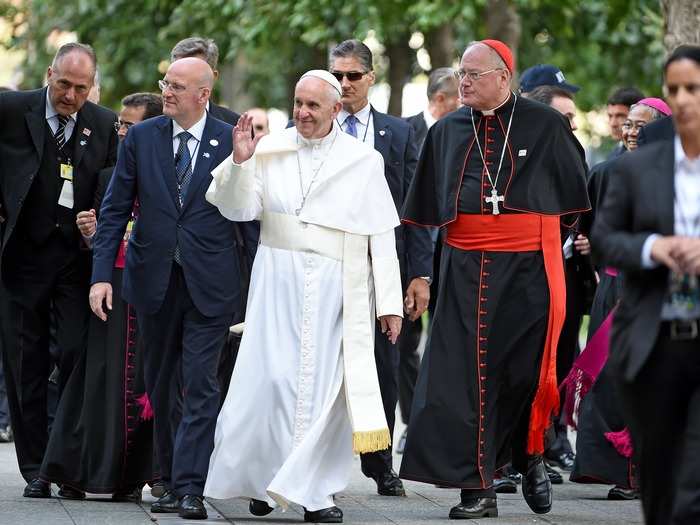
351, 64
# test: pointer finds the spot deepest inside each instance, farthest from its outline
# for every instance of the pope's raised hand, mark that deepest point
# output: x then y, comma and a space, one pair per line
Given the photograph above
243, 142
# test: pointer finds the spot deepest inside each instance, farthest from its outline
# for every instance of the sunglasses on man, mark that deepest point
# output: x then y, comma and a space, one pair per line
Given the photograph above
352, 76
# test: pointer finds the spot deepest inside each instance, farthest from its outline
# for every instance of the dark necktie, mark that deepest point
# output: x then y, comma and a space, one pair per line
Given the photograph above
183, 174
60, 134
183, 166
350, 125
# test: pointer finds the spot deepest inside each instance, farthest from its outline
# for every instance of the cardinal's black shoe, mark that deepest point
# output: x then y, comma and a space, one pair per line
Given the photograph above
329, 515
471, 508
259, 508
537, 488
621, 494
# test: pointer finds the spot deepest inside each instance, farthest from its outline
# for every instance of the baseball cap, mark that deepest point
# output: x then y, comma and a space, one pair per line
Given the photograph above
544, 75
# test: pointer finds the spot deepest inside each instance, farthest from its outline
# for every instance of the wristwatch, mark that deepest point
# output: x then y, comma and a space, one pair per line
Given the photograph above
427, 279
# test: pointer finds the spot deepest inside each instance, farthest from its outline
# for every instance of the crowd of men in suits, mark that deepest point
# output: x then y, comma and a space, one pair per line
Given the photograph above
58, 152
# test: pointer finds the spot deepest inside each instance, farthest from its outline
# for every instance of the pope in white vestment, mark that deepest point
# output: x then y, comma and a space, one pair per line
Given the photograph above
304, 392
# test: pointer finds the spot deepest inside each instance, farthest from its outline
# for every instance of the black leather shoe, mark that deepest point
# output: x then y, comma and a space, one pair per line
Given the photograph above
67, 492
622, 494
388, 484
563, 460
192, 508
169, 502
554, 476
259, 508
509, 472
37, 488
471, 508
128, 495
158, 489
537, 489
505, 486
329, 515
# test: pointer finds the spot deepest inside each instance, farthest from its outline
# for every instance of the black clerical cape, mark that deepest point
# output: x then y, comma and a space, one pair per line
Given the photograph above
481, 374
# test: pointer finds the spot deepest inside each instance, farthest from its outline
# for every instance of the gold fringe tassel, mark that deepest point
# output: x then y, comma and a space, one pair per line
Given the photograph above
370, 441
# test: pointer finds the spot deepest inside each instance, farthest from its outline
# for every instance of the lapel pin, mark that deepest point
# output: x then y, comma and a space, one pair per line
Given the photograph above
522, 153
205, 154
214, 142
382, 132
83, 142
86, 132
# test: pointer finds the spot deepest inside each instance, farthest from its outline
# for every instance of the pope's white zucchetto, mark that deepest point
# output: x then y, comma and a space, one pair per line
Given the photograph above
326, 77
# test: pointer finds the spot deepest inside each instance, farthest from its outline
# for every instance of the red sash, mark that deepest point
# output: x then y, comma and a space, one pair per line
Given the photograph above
523, 233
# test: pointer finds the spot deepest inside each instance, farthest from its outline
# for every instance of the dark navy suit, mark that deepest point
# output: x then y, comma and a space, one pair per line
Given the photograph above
393, 138
184, 310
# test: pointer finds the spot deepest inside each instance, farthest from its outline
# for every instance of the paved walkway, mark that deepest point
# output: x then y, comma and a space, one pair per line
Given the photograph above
574, 505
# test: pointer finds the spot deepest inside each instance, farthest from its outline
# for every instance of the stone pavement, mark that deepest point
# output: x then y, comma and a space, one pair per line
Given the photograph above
573, 505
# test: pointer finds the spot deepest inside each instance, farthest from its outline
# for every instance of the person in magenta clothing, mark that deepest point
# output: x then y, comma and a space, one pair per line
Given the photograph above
102, 438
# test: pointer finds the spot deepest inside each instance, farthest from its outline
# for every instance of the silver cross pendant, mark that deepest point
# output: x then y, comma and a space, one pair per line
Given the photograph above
494, 199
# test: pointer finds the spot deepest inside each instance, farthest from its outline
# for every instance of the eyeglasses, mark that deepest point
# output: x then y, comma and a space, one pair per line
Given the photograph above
633, 126
474, 75
172, 86
352, 76
119, 123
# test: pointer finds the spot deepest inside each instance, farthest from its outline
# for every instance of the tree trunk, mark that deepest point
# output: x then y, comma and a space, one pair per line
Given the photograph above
399, 54
440, 44
503, 23
681, 22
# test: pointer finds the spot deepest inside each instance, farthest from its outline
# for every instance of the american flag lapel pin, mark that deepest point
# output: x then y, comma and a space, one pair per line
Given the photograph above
86, 132
205, 154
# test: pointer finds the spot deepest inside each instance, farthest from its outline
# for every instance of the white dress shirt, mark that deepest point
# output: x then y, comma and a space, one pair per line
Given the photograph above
52, 118
197, 130
364, 125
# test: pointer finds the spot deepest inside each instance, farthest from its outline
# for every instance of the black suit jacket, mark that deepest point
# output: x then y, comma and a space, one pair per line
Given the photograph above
23, 117
662, 129
223, 114
638, 202
393, 138
420, 128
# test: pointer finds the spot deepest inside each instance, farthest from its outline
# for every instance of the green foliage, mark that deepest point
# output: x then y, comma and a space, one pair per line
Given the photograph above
598, 44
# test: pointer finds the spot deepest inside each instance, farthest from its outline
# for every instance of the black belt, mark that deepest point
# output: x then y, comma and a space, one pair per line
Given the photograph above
681, 330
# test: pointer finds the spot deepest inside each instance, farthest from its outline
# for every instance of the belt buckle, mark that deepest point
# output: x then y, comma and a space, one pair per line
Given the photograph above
684, 330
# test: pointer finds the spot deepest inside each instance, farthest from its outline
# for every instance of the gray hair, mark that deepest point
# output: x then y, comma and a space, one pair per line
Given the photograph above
195, 47
655, 113
497, 61
442, 80
65, 49
353, 49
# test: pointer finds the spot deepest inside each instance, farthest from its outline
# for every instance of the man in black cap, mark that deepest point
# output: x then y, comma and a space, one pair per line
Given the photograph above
544, 75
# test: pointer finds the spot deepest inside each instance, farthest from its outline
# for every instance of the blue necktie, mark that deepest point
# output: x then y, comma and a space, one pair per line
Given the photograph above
350, 128
183, 174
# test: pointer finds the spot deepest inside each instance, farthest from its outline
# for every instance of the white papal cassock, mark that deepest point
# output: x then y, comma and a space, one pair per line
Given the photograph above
299, 402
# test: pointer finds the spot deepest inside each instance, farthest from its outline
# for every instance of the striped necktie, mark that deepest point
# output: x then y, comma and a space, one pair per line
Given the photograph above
183, 173
60, 134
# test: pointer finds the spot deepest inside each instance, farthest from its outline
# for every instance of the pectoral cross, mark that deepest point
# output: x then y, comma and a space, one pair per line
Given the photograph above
494, 199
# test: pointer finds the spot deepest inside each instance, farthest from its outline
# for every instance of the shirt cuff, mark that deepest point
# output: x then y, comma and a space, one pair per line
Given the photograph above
88, 239
647, 262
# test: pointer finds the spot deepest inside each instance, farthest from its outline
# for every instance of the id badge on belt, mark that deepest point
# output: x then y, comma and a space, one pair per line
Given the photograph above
66, 197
